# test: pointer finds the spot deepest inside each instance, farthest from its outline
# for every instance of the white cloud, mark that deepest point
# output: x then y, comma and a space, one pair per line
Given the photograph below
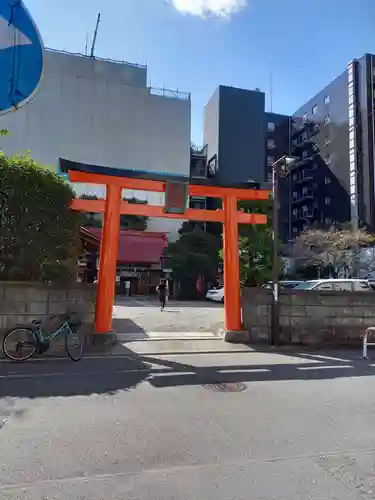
204, 8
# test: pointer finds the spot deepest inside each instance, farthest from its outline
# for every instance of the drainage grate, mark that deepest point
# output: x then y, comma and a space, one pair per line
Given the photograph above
226, 386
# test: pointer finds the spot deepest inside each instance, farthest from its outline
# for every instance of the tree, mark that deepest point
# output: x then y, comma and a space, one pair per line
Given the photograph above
91, 219
339, 252
127, 222
134, 222
194, 255
39, 233
255, 245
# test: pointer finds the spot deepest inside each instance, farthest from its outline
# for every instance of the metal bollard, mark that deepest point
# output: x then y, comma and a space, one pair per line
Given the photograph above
371, 329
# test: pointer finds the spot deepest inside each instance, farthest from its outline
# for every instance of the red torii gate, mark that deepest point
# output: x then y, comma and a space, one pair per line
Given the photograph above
116, 179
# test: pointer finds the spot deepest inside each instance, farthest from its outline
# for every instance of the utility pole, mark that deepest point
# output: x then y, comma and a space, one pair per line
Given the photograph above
279, 167
275, 253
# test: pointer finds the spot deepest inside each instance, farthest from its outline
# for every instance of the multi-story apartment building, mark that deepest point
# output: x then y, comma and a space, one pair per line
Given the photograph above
277, 139
102, 112
332, 137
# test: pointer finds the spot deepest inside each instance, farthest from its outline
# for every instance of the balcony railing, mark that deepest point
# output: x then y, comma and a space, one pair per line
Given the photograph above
299, 125
309, 195
199, 172
309, 214
198, 150
306, 177
171, 94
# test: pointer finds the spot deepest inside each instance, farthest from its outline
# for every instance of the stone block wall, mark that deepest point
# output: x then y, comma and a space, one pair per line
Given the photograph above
24, 302
310, 317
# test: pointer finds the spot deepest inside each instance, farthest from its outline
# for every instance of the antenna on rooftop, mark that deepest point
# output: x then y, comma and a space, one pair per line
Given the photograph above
87, 42
271, 92
95, 37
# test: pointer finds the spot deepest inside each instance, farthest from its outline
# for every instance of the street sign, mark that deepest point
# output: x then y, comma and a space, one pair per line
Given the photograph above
21, 56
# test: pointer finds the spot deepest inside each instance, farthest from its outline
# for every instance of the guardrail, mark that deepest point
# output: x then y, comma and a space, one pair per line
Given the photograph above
173, 94
105, 59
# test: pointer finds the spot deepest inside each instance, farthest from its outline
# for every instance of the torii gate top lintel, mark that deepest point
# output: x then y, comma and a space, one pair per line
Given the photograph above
117, 179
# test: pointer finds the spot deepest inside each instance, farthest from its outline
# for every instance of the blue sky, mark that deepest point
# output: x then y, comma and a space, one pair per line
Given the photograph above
304, 44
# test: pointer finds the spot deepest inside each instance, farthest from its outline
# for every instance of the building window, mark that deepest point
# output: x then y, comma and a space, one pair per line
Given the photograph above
327, 180
197, 202
326, 100
271, 143
212, 167
270, 160
271, 127
327, 200
270, 177
295, 230
305, 117
327, 119
294, 195
327, 158
315, 109
294, 177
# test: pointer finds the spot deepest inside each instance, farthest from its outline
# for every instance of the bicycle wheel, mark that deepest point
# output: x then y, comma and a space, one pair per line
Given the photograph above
73, 345
19, 344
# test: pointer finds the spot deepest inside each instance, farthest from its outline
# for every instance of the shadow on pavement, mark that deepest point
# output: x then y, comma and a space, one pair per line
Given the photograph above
127, 325
154, 303
108, 375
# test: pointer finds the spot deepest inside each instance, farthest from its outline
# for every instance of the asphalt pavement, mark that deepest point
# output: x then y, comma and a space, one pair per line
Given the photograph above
138, 316
225, 425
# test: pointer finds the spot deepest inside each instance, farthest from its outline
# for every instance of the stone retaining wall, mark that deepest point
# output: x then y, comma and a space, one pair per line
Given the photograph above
24, 302
309, 317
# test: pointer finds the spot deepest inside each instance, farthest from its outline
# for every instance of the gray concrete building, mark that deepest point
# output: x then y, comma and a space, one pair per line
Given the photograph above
234, 132
102, 112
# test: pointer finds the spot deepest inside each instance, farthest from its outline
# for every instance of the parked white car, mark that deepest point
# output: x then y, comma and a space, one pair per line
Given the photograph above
336, 285
216, 294
285, 285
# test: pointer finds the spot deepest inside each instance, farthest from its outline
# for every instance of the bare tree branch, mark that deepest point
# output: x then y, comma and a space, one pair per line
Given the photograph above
343, 250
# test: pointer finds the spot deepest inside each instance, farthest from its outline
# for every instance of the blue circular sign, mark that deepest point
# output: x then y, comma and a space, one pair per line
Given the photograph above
21, 56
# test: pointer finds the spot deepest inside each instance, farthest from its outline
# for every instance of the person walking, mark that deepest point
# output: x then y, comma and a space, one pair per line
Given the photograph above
162, 290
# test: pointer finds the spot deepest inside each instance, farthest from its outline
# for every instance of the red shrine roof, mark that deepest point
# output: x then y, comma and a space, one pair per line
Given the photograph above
136, 247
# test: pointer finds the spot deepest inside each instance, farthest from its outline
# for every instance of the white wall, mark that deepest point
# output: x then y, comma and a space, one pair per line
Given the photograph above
101, 112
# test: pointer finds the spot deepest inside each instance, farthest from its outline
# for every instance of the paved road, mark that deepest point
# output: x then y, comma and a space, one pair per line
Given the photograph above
144, 427
143, 315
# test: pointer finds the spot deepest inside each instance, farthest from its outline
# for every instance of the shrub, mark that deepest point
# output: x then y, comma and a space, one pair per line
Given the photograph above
39, 233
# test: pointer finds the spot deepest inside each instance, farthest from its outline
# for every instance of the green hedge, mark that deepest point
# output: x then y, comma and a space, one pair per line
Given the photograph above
39, 234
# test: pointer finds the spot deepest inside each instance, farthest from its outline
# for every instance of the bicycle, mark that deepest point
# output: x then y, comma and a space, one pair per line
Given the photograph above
34, 340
